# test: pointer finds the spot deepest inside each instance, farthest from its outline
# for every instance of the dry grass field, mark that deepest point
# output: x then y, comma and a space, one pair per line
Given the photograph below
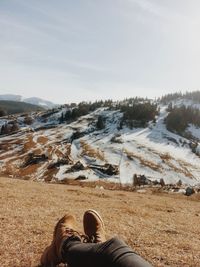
163, 228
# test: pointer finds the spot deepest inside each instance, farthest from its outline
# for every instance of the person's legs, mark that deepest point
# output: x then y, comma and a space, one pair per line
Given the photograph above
67, 246
112, 253
121, 255
78, 254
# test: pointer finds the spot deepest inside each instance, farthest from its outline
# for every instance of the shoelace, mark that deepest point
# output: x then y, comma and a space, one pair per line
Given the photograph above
91, 239
84, 238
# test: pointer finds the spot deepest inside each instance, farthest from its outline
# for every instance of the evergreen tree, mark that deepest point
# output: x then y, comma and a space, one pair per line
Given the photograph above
61, 120
2, 113
100, 123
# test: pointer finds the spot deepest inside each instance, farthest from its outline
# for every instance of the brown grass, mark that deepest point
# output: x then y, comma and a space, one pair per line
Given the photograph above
29, 170
143, 162
15, 158
183, 169
165, 156
90, 151
42, 140
162, 228
29, 144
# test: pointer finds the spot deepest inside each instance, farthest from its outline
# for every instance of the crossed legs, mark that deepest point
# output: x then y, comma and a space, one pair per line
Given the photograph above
69, 246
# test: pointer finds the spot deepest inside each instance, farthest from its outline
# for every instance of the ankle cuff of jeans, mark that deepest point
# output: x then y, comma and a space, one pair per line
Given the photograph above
67, 244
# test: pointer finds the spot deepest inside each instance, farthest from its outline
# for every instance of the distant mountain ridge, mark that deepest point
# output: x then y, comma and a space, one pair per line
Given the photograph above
31, 100
8, 107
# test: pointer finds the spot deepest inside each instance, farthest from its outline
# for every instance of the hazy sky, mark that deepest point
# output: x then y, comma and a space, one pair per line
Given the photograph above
73, 50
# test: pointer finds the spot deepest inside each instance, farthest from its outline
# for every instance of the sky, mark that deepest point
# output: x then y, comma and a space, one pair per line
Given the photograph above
84, 50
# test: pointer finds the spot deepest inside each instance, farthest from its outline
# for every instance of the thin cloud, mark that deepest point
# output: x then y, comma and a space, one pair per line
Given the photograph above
161, 12
150, 7
53, 18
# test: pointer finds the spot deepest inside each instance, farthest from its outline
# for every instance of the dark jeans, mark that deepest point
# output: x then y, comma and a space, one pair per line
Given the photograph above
112, 253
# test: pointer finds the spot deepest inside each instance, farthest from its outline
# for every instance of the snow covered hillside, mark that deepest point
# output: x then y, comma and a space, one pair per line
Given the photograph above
47, 149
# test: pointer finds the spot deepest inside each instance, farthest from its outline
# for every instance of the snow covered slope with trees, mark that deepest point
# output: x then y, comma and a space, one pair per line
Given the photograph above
107, 140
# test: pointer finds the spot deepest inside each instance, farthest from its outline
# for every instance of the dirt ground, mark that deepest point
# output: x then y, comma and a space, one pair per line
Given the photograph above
163, 228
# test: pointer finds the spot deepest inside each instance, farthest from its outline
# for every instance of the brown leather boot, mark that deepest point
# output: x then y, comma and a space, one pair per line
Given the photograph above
94, 226
63, 230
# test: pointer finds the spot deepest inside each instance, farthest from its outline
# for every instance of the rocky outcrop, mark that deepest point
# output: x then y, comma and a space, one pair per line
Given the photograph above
59, 162
107, 168
78, 166
34, 159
